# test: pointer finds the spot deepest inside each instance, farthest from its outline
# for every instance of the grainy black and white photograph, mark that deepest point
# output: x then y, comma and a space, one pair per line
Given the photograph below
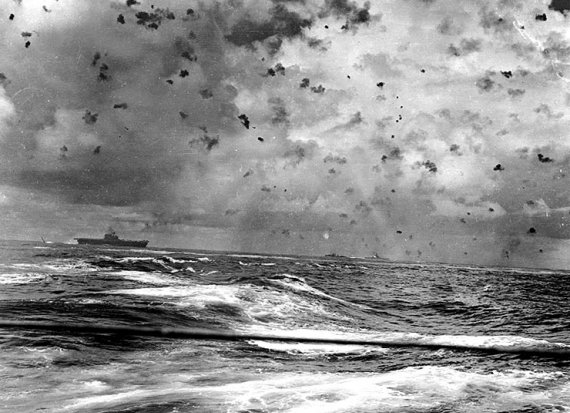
260, 206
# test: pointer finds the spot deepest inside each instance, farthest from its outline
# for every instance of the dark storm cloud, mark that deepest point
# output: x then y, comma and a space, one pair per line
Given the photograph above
560, 5
282, 24
73, 140
349, 10
99, 184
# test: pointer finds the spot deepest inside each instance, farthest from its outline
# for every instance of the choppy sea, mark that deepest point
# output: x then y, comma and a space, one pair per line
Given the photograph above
472, 307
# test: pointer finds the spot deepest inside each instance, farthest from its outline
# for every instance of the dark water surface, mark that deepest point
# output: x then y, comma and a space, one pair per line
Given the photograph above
474, 307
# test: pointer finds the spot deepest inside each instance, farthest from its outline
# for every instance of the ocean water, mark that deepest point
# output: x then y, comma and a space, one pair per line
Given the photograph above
473, 307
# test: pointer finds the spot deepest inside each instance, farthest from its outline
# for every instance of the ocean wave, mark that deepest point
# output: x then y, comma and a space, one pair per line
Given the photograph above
148, 251
263, 305
245, 256
255, 256
108, 400
259, 304
21, 278
502, 343
90, 301
314, 349
147, 264
310, 349
494, 342
57, 267
423, 388
299, 284
410, 389
146, 277
196, 296
339, 336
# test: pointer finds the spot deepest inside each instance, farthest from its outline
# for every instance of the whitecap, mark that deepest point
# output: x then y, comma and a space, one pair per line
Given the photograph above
414, 388
196, 296
145, 277
299, 284
258, 303
315, 349
21, 278
397, 339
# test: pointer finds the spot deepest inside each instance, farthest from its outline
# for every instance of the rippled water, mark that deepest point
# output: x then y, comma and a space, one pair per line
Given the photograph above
473, 307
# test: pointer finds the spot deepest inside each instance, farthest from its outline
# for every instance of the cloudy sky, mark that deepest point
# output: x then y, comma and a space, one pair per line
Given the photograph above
411, 129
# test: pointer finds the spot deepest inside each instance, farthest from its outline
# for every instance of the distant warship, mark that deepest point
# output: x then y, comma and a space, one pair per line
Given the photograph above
111, 238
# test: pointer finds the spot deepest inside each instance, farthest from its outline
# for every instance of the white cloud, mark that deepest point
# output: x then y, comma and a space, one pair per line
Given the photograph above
7, 112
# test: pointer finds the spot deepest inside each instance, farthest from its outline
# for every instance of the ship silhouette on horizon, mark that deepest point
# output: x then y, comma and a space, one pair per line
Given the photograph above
111, 238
